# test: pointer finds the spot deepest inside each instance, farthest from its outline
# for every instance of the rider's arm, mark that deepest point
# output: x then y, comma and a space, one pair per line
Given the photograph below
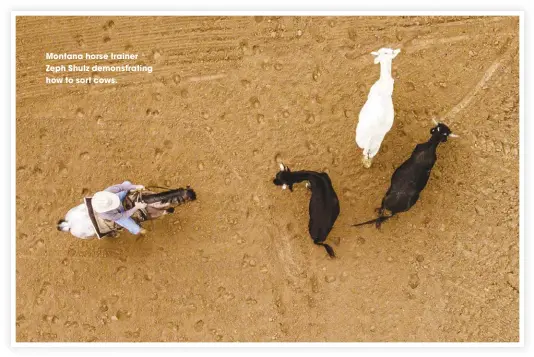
128, 213
125, 186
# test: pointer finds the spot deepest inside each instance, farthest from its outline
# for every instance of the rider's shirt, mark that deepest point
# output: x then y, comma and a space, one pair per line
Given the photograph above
120, 215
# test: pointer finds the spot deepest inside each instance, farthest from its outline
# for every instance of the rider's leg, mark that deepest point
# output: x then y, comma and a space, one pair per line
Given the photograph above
130, 225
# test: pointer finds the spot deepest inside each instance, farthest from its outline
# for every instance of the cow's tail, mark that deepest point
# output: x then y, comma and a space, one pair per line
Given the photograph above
328, 248
377, 221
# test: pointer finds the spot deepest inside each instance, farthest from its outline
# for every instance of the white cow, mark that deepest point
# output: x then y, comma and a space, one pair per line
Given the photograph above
376, 116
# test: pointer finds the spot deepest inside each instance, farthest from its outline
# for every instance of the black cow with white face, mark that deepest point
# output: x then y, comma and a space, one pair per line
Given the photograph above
324, 204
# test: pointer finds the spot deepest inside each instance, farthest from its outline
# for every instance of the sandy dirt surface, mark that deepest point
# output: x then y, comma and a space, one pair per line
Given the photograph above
228, 98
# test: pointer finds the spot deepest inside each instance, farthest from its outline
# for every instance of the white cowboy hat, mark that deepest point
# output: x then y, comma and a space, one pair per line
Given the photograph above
105, 201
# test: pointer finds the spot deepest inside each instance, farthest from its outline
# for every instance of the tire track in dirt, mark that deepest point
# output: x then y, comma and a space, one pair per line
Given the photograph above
301, 283
206, 77
416, 45
292, 272
450, 22
205, 49
286, 260
170, 58
509, 50
169, 53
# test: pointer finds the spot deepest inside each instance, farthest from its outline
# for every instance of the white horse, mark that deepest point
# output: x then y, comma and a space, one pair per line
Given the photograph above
78, 223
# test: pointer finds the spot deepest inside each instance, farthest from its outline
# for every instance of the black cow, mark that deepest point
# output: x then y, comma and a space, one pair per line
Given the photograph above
324, 205
410, 178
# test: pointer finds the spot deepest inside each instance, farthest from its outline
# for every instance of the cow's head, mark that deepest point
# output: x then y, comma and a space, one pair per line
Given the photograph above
442, 131
283, 178
385, 55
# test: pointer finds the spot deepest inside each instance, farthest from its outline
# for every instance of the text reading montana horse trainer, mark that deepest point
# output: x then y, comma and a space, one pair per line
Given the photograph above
95, 78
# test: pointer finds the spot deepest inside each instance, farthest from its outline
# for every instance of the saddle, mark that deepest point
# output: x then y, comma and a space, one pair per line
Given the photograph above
102, 227
106, 228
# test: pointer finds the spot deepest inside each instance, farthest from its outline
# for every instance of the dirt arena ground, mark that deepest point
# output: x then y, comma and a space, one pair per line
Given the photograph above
228, 98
